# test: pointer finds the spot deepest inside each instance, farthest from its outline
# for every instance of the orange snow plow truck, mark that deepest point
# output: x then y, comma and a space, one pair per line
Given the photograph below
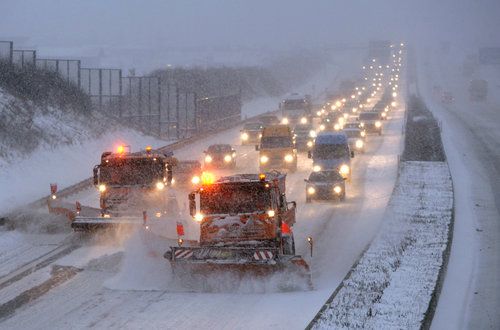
132, 189
245, 227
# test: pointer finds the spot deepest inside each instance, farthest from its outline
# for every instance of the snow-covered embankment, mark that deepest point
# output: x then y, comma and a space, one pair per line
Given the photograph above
396, 282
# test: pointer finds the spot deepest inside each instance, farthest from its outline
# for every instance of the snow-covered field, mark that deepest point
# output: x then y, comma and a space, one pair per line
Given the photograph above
391, 286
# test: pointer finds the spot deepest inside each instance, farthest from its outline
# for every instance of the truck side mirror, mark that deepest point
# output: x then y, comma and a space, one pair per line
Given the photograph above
256, 147
309, 154
294, 204
96, 175
192, 204
352, 154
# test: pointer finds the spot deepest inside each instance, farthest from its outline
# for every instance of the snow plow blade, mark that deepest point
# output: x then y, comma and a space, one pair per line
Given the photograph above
98, 223
259, 262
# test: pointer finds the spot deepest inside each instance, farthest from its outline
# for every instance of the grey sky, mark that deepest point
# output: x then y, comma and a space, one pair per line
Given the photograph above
286, 23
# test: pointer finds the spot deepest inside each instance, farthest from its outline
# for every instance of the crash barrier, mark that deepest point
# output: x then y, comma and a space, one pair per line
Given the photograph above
152, 104
403, 270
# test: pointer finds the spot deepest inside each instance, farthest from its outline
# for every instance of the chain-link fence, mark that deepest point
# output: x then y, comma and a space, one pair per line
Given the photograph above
6, 49
146, 103
24, 58
67, 69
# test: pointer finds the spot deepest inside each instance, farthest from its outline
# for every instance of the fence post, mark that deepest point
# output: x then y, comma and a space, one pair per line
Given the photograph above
100, 89
177, 110
120, 93
79, 74
195, 101
159, 106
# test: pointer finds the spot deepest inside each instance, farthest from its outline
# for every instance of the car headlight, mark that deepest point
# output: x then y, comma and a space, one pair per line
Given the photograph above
303, 120
341, 121
313, 133
316, 168
228, 158
337, 189
344, 169
309, 144
354, 110
311, 190
264, 159
160, 185
289, 158
270, 213
208, 159
260, 135
359, 144
198, 217
284, 121
195, 180
378, 124
244, 136
336, 127
363, 133
102, 188
384, 114
322, 127
318, 113
362, 125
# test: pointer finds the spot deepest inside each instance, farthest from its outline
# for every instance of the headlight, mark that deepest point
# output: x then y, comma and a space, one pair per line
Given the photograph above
244, 136
160, 185
260, 135
228, 158
346, 115
208, 159
309, 144
354, 110
384, 114
337, 189
303, 120
344, 169
195, 179
359, 144
378, 124
311, 190
270, 213
336, 127
394, 94
264, 159
284, 121
318, 113
316, 168
363, 133
289, 158
198, 217
362, 125
322, 127
393, 104
341, 120
102, 188
312, 133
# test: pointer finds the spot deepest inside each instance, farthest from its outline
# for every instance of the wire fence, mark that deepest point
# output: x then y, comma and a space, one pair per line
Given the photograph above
146, 103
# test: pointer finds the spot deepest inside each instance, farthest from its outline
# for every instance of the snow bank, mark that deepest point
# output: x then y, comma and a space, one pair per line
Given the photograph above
392, 285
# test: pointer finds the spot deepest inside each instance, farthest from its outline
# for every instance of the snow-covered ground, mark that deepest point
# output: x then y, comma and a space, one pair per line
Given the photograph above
392, 284
470, 297
139, 294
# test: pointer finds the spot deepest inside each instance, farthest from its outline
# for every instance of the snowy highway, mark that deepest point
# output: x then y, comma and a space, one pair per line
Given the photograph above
139, 293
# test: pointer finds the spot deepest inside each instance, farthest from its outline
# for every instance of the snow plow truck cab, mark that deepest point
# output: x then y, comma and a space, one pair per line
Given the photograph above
132, 188
245, 227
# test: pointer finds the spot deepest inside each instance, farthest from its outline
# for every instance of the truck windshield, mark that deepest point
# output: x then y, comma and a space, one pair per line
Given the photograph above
131, 171
330, 151
352, 133
269, 142
253, 126
230, 198
294, 105
369, 116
